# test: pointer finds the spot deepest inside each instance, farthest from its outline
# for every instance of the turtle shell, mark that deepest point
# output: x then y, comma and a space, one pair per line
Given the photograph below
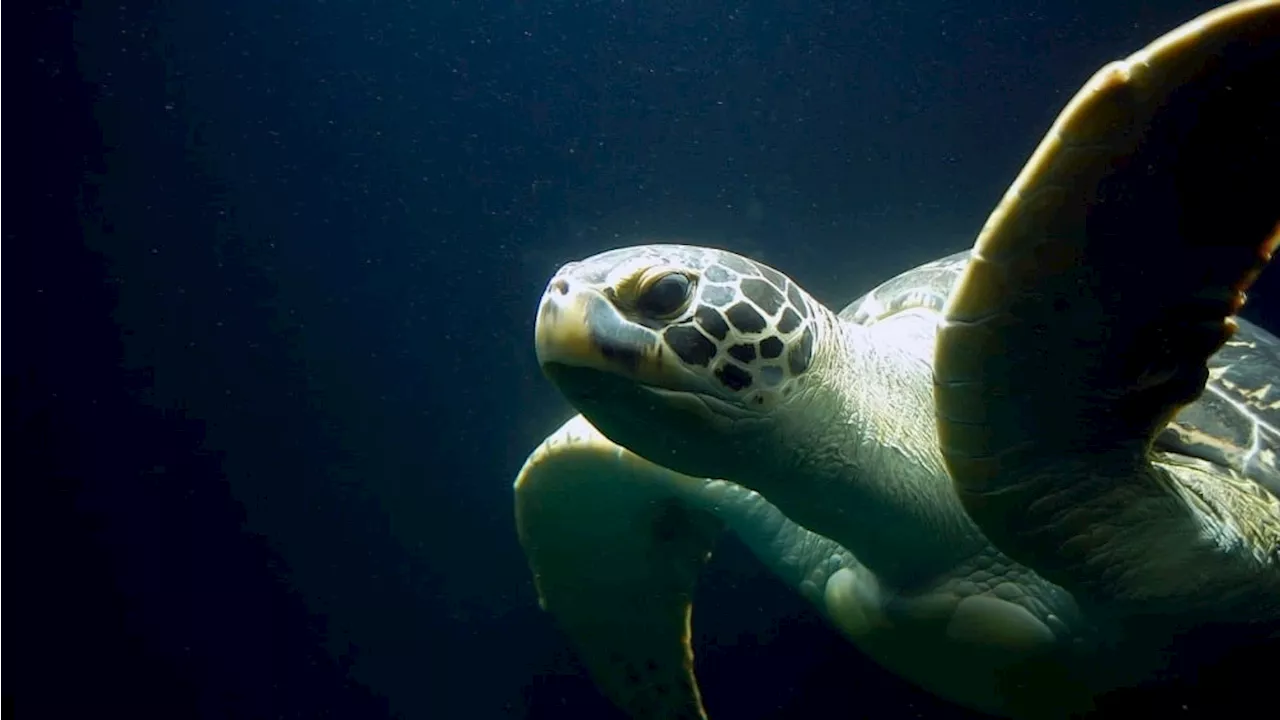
1234, 423
1236, 420
925, 287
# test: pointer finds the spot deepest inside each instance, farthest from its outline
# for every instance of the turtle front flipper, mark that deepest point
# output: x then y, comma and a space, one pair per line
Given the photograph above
616, 542
1099, 287
615, 555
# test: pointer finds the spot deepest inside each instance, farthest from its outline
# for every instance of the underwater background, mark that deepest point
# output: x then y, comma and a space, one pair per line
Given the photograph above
271, 280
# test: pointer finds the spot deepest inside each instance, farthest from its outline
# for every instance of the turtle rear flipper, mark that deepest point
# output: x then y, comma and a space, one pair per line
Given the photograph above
1100, 286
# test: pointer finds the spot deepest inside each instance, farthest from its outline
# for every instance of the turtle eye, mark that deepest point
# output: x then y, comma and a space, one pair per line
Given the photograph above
665, 296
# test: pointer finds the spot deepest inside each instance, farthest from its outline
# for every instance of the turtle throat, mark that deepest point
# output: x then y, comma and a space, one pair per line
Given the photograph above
858, 458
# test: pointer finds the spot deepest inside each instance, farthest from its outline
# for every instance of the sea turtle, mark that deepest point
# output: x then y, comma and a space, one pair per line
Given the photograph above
1049, 462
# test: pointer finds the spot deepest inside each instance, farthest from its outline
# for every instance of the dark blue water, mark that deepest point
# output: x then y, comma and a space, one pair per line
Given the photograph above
269, 299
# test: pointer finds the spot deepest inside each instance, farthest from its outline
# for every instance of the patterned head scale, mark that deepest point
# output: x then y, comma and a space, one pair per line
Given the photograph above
682, 318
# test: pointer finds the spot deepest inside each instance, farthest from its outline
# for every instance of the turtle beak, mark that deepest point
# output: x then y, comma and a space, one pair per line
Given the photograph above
577, 326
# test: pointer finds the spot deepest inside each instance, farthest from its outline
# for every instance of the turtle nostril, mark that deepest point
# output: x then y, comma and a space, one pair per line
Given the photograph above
560, 286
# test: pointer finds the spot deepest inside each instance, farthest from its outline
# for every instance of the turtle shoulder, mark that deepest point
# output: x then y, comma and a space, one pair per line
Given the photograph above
1235, 423
923, 288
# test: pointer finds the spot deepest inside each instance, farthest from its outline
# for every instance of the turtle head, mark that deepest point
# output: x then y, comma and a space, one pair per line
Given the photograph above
682, 354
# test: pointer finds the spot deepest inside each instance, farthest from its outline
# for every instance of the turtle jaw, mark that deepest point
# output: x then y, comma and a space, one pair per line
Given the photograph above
691, 433
603, 396
578, 327
620, 376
